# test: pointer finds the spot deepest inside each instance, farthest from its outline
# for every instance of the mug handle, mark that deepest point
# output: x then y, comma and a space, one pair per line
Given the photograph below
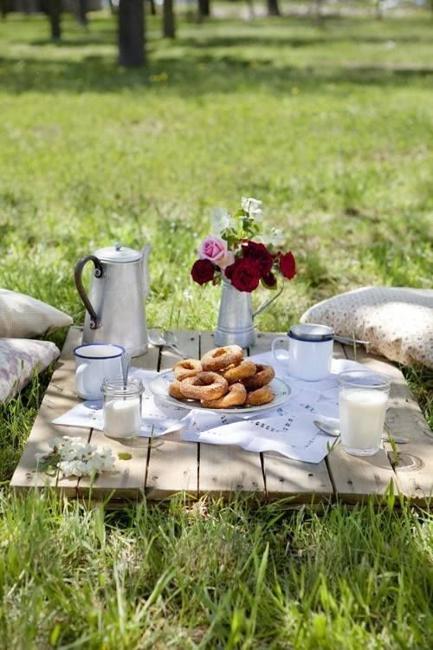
275, 348
80, 381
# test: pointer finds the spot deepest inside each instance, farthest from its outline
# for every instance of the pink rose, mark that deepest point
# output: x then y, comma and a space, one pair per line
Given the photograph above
213, 249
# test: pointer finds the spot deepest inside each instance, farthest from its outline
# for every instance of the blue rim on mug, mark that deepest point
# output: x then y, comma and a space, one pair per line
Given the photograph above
311, 333
88, 345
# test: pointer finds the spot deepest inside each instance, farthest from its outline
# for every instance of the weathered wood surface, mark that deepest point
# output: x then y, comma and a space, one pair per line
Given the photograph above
284, 477
413, 464
355, 477
161, 467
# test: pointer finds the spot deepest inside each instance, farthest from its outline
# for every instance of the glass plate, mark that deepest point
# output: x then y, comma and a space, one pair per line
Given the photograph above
159, 389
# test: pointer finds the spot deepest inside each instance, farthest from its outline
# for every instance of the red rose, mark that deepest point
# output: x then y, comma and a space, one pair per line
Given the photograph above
203, 271
269, 280
245, 274
288, 265
259, 252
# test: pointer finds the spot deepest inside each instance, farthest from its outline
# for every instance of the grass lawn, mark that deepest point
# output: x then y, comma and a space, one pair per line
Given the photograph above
331, 126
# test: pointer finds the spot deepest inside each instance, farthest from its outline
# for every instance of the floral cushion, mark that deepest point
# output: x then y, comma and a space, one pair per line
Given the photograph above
397, 322
22, 316
20, 359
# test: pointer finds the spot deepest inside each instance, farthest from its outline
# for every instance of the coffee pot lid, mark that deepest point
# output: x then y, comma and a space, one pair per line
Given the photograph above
311, 332
118, 254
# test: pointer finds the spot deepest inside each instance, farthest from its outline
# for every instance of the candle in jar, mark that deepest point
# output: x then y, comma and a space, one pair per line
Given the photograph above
122, 417
362, 418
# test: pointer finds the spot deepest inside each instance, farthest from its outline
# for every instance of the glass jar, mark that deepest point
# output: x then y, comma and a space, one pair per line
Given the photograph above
362, 400
122, 408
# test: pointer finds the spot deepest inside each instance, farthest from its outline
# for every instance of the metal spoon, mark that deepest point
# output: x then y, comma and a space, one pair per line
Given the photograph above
126, 360
166, 340
330, 426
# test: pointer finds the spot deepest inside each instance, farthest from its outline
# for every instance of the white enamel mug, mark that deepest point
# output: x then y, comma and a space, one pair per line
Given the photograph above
309, 353
95, 363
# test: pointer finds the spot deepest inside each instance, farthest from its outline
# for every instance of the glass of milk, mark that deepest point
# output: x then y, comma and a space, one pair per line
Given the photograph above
122, 408
363, 399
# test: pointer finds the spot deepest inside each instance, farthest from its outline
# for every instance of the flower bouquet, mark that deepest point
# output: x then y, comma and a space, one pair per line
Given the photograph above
240, 257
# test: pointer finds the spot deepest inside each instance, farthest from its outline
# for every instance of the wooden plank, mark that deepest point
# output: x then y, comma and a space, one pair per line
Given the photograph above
354, 478
173, 464
227, 469
285, 477
172, 469
128, 481
59, 397
414, 465
223, 469
299, 481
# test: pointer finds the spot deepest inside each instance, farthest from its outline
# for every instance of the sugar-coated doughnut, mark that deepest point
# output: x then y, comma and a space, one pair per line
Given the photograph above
260, 396
220, 358
245, 369
264, 375
236, 396
187, 368
174, 390
204, 385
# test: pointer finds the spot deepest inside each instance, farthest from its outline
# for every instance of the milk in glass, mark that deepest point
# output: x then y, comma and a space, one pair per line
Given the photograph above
362, 418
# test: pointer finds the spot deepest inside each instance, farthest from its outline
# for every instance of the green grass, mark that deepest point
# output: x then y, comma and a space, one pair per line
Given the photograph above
330, 125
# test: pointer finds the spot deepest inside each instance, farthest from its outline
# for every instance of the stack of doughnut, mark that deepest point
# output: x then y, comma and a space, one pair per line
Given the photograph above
222, 379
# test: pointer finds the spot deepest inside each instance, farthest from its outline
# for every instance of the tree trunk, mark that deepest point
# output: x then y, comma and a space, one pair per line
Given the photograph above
131, 33
4, 8
82, 13
251, 11
152, 6
203, 8
273, 8
379, 10
55, 16
168, 19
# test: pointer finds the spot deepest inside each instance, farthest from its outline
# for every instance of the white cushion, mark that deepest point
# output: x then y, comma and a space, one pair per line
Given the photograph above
20, 359
24, 317
397, 322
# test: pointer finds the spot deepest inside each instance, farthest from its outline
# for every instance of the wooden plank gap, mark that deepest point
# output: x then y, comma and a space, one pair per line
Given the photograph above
331, 478
89, 437
262, 463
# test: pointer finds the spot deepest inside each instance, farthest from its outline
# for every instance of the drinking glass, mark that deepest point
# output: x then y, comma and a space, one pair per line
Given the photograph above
363, 400
122, 408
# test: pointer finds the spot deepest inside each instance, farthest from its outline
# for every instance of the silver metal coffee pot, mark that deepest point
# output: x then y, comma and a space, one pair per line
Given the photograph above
115, 306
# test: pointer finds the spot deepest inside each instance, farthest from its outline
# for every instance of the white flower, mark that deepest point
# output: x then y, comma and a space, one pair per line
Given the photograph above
221, 220
79, 458
276, 238
253, 207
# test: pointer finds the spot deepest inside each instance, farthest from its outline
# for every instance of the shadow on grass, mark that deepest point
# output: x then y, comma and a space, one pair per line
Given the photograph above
203, 74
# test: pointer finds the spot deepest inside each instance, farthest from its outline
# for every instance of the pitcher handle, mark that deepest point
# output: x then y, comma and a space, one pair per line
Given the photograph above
78, 273
268, 302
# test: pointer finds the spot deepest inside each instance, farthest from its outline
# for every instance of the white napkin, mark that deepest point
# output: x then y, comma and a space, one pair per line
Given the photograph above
288, 429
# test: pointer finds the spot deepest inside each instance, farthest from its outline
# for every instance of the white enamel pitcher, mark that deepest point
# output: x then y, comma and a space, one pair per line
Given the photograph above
115, 306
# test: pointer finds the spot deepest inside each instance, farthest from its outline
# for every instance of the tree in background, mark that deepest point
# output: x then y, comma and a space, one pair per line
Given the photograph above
55, 18
168, 19
273, 8
131, 33
203, 9
82, 12
4, 8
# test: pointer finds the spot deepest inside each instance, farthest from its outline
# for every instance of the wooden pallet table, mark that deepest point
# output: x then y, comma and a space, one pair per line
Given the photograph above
166, 466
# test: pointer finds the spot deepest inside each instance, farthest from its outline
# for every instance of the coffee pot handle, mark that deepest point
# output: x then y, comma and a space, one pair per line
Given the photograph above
268, 303
78, 276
